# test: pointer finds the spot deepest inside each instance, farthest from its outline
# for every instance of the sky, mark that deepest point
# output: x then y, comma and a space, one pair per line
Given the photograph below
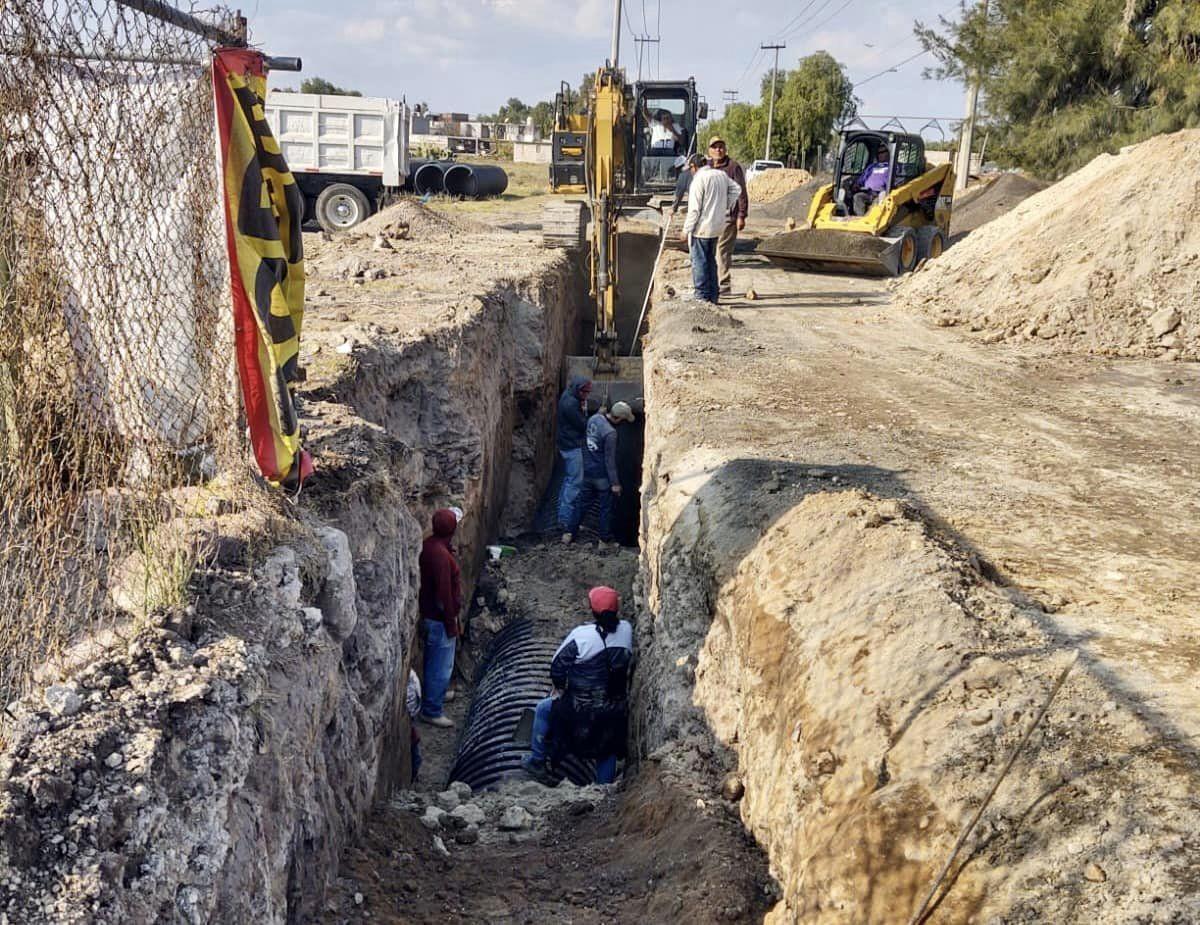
472, 55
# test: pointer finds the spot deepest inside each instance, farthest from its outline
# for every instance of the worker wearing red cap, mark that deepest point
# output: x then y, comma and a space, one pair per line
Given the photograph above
587, 714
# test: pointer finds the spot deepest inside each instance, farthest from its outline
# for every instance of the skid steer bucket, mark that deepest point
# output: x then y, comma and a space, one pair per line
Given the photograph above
825, 251
623, 384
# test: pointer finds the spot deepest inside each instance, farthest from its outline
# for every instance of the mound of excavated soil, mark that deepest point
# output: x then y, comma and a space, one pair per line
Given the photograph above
1107, 261
794, 204
984, 203
411, 215
772, 184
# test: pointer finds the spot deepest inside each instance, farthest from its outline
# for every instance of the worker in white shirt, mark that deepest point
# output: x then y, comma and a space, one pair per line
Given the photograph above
712, 195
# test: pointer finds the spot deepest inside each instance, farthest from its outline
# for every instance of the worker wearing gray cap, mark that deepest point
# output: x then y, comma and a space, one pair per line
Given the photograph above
600, 479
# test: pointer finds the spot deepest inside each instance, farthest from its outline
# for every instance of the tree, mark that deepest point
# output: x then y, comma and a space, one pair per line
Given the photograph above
1064, 80
323, 86
811, 100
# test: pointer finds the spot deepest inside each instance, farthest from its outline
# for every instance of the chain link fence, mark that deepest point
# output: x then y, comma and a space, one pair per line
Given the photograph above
117, 393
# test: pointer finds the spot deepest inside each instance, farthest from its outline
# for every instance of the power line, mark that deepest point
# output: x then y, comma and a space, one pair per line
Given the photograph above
658, 47
923, 51
812, 15
832, 16
796, 18
645, 25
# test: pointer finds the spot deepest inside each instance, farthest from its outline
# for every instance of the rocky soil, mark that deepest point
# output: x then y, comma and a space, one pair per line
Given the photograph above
869, 549
211, 766
1105, 262
981, 204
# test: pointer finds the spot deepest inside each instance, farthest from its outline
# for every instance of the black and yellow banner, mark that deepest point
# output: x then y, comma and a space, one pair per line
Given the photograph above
263, 212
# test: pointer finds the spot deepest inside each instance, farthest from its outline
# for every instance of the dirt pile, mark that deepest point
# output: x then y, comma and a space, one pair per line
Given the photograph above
773, 184
982, 204
1107, 261
791, 205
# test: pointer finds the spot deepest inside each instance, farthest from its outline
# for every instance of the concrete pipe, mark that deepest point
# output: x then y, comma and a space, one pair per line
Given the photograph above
515, 675
429, 177
475, 181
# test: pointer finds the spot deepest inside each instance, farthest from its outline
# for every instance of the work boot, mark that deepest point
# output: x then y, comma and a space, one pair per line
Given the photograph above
539, 771
442, 722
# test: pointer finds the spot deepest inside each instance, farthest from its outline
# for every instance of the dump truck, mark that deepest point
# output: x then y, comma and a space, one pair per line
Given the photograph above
349, 154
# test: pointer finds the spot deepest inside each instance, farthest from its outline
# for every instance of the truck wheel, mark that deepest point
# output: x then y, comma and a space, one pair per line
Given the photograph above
909, 249
932, 243
341, 206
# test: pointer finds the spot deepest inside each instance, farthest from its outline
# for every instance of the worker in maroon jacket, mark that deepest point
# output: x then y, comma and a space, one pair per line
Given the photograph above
440, 602
719, 158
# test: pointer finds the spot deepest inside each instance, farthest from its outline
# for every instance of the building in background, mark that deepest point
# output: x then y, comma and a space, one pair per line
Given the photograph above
457, 133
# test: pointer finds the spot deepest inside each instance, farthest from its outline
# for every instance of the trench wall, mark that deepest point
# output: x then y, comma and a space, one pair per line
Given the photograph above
866, 678
212, 765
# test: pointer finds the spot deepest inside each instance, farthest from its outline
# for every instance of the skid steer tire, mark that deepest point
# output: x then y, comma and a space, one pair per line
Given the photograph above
341, 206
908, 252
931, 243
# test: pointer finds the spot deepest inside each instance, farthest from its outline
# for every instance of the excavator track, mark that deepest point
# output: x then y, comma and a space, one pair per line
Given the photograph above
564, 225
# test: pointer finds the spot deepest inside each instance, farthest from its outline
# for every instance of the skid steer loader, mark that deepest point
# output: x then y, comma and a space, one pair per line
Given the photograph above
908, 222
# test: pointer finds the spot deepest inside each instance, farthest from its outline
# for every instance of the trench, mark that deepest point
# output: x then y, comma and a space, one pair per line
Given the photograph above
659, 842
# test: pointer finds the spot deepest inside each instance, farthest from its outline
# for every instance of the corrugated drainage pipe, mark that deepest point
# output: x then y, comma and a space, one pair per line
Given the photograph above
476, 181
513, 678
428, 178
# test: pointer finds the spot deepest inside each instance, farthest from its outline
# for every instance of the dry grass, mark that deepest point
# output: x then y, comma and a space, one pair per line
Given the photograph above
528, 188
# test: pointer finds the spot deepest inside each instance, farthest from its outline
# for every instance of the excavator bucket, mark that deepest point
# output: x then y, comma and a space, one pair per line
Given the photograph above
825, 251
608, 386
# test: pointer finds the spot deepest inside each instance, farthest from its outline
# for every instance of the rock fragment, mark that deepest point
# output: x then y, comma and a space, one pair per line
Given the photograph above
515, 819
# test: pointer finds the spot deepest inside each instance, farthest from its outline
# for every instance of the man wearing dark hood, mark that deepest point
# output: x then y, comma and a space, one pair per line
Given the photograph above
440, 601
572, 429
587, 713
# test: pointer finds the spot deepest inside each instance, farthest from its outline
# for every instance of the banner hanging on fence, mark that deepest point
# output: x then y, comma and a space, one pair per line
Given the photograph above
263, 212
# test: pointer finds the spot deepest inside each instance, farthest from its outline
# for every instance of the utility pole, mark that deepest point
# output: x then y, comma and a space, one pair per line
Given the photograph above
967, 136
771, 107
641, 40
730, 97
616, 34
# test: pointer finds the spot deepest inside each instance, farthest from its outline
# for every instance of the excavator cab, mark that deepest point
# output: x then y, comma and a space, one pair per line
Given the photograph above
665, 118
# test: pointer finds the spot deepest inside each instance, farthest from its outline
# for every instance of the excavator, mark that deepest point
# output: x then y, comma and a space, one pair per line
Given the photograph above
907, 223
603, 161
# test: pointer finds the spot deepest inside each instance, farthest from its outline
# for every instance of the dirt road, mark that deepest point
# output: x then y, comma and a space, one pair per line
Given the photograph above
1074, 480
877, 542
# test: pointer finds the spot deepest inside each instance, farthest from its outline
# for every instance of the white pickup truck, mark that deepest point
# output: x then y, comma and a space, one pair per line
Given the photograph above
349, 154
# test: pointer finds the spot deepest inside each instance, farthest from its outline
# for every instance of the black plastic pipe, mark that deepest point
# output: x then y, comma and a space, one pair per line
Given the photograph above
429, 177
515, 675
475, 181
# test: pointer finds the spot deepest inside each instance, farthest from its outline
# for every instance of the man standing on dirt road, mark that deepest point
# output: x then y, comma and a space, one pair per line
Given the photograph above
572, 428
601, 480
439, 602
711, 197
587, 713
719, 158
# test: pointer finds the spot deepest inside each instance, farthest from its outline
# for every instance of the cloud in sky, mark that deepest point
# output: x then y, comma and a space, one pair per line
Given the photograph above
473, 55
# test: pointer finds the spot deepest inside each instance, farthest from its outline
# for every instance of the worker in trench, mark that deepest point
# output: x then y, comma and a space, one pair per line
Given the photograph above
587, 712
601, 477
440, 603
572, 428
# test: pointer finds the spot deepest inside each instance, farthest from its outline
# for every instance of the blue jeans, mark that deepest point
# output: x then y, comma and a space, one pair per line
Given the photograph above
439, 665
606, 768
597, 490
704, 268
569, 512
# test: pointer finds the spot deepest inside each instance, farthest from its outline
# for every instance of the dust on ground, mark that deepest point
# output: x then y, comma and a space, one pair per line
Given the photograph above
1106, 261
771, 185
644, 849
